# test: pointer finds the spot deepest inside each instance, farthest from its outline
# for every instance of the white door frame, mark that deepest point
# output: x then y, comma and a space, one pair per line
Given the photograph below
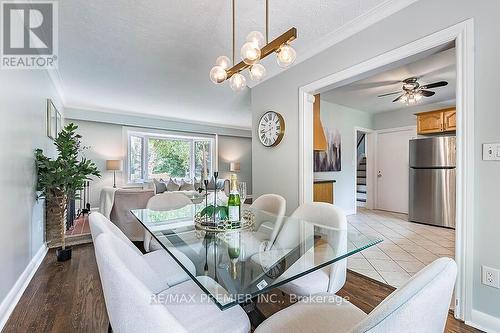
369, 151
375, 153
463, 35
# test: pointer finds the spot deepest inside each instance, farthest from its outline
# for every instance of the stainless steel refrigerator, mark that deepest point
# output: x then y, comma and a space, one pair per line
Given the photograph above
433, 181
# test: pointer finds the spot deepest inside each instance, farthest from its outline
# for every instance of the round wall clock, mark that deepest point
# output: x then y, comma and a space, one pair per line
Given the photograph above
271, 129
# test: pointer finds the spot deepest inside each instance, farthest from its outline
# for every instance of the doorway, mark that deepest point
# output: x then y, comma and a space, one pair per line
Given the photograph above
463, 36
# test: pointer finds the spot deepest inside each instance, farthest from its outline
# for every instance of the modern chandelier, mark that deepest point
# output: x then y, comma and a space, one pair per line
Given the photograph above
251, 53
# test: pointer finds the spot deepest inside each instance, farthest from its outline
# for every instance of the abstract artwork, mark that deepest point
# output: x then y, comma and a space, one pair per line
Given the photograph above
325, 161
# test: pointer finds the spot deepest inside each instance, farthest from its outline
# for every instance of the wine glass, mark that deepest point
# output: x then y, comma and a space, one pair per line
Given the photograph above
242, 189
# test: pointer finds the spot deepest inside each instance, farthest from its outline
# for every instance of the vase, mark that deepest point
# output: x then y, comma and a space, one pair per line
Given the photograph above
55, 217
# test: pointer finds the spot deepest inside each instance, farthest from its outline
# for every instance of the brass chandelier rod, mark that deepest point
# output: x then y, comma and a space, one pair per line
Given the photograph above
269, 48
234, 25
267, 21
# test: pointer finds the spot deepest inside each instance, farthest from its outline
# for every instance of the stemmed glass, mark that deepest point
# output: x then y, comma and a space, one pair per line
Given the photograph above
242, 189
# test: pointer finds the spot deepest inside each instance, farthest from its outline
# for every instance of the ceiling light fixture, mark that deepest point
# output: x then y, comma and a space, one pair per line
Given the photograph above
255, 49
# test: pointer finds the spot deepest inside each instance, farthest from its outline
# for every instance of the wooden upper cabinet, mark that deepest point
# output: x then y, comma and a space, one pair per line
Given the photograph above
436, 121
450, 120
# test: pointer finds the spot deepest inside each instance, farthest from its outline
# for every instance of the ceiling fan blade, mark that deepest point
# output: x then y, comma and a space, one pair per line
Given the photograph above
427, 93
434, 85
397, 99
392, 93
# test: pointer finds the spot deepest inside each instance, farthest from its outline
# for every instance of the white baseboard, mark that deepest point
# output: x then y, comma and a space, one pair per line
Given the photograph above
15, 293
484, 322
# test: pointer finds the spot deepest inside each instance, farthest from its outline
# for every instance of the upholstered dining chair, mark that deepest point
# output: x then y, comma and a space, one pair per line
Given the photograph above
137, 302
419, 306
273, 204
328, 279
162, 202
165, 266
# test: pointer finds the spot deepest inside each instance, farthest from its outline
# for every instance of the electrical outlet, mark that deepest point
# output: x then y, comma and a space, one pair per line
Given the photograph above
491, 277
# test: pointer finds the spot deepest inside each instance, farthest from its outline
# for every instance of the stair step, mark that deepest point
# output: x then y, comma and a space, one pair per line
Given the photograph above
361, 200
361, 181
361, 173
361, 191
362, 167
361, 187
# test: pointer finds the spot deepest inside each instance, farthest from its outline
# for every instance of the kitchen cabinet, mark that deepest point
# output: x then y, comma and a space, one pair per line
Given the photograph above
323, 191
438, 121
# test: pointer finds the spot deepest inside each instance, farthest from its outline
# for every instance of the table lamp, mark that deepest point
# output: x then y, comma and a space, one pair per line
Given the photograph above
114, 165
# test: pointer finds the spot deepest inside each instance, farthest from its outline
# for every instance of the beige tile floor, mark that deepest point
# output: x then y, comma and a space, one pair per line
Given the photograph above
406, 249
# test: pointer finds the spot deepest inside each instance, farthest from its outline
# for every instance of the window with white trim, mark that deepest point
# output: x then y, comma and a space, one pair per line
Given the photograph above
154, 155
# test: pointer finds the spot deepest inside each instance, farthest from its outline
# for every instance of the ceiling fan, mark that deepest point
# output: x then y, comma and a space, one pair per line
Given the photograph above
413, 91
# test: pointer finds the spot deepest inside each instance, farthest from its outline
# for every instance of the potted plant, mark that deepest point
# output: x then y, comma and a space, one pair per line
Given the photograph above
60, 180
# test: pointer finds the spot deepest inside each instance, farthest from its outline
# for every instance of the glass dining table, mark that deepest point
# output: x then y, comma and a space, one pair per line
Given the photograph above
234, 267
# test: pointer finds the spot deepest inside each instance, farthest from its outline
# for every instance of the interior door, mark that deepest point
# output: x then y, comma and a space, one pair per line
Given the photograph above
393, 169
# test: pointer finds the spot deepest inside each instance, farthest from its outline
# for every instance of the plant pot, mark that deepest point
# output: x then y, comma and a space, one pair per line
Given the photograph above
63, 255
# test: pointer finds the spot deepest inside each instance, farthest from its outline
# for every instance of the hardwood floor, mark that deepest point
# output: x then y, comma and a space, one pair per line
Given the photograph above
67, 297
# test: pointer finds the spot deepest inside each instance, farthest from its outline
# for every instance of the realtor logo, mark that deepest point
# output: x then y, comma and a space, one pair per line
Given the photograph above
29, 34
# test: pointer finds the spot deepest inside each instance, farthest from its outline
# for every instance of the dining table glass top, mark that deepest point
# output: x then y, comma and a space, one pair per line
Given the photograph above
233, 267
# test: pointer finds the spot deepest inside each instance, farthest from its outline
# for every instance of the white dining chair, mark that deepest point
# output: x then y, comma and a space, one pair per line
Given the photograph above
330, 278
165, 266
163, 202
419, 306
135, 301
275, 205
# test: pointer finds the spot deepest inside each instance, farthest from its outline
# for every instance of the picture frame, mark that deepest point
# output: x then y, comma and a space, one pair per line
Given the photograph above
51, 120
59, 123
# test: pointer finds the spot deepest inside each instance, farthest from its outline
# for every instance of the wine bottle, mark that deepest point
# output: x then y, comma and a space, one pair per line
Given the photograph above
234, 202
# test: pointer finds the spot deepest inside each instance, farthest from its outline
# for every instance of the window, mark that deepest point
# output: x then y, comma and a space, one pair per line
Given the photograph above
152, 155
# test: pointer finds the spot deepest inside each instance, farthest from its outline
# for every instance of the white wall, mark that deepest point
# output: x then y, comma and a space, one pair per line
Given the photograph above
23, 108
236, 149
276, 169
345, 120
106, 142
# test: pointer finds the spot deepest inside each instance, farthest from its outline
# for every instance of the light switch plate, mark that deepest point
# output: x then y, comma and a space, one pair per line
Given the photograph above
491, 152
491, 277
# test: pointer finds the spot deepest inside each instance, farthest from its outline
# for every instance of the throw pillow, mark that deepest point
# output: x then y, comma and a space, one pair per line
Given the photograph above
197, 183
185, 186
159, 186
172, 186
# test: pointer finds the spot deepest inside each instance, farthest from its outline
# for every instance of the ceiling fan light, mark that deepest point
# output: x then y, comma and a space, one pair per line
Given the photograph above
257, 38
418, 96
237, 82
218, 74
223, 62
250, 53
286, 55
257, 72
404, 98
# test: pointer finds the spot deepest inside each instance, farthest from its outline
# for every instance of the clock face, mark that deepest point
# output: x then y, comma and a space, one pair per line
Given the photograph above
271, 129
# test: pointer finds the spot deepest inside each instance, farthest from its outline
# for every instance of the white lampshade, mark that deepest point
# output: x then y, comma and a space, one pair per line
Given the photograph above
113, 165
234, 166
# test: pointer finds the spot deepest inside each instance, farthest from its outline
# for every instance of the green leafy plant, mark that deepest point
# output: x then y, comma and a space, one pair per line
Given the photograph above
62, 178
221, 211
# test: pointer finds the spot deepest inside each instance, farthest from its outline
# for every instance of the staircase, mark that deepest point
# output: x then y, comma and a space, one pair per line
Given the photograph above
361, 182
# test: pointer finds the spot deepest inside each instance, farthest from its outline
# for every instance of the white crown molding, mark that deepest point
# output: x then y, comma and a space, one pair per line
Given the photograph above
55, 77
10, 301
349, 29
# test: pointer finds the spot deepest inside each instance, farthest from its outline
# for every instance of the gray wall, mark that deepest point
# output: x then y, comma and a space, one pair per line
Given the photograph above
236, 149
23, 95
106, 142
276, 169
345, 120
405, 116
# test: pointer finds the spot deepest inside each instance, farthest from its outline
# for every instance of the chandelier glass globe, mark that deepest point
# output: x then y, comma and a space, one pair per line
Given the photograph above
257, 72
250, 53
237, 82
218, 74
256, 38
286, 55
223, 62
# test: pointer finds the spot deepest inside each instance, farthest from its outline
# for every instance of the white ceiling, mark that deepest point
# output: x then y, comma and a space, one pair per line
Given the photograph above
363, 94
153, 57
